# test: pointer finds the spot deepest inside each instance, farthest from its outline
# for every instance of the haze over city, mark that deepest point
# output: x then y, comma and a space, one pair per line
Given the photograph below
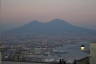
15, 13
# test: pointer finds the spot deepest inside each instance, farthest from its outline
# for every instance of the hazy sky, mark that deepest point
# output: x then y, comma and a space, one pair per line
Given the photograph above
17, 12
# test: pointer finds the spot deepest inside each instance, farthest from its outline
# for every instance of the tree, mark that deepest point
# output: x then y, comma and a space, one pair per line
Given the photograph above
75, 62
61, 61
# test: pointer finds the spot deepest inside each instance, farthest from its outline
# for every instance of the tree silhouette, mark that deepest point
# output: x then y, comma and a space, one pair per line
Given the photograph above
61, 61
75, 62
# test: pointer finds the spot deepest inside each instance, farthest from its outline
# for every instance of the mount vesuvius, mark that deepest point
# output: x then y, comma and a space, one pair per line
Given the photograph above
54, 27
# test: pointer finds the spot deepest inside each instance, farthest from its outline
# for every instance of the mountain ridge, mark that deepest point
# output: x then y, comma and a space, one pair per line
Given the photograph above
54, 27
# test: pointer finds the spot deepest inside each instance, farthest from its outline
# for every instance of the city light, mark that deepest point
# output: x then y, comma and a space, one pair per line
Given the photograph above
82, 47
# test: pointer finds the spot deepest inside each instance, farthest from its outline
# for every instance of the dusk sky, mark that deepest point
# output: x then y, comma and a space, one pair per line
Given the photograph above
18, 12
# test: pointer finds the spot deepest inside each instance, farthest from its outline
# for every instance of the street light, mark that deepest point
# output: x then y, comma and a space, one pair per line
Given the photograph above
82, 47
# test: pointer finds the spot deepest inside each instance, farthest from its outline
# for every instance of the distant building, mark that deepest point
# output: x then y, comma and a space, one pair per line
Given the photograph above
93, 53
